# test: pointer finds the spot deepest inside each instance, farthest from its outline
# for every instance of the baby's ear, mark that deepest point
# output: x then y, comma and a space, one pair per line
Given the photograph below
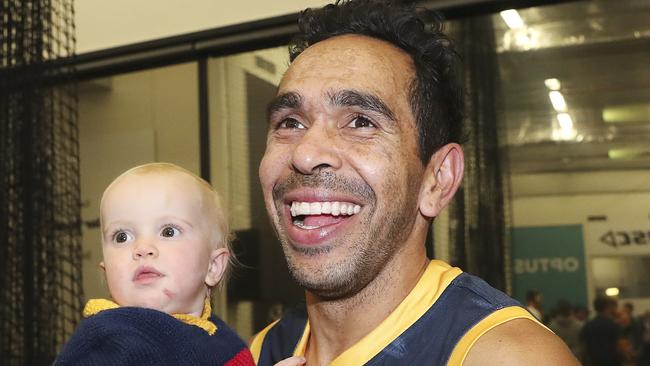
102, 266
218, 264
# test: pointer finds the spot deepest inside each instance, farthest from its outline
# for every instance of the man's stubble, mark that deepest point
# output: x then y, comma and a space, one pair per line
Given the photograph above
368, 250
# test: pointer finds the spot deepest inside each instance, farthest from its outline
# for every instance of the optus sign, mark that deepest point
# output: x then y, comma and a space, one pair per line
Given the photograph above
547, 264
550, 260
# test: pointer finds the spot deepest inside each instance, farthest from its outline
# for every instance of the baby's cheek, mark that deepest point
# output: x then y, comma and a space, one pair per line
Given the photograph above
116, 281
169, 293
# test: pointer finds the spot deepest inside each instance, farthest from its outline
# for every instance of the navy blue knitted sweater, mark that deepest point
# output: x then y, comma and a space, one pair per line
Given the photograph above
138, 336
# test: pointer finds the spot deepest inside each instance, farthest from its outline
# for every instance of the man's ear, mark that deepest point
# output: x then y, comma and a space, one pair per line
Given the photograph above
218, 264
443, 175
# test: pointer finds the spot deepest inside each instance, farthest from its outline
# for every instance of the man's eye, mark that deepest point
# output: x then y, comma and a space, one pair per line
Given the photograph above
361, 122
169, 232
291, 123
121, 237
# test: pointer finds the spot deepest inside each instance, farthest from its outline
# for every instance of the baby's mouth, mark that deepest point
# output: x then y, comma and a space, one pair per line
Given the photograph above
313, 215
145, 273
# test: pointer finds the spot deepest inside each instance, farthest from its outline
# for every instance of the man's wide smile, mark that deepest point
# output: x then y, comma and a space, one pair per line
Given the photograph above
316, 209
313, 215
312, 223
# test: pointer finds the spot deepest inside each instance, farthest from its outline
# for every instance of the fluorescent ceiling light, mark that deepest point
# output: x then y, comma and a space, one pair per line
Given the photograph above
627, 113
512, 19
557, 99
565, 121
627, 153
552, 84
612, 291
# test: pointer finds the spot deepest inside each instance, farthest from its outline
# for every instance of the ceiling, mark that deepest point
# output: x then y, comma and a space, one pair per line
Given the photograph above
599, 51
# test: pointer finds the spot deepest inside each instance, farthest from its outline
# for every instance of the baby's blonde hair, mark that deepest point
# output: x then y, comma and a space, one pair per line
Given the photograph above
222, 235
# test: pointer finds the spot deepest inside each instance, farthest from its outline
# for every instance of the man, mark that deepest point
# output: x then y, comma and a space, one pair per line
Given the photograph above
362, 153
601, 335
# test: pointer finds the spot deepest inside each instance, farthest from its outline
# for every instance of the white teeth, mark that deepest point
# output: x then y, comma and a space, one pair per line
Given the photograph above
314, 208
326, 208
304, 208
343, 208
335, 208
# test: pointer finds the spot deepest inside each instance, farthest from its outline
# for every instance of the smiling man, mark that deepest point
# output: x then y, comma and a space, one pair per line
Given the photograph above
362, 153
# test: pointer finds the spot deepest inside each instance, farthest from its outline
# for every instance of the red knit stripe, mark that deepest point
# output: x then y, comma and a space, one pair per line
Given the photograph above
243, 358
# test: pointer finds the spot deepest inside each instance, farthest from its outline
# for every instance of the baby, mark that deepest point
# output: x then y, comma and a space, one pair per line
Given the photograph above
165, 242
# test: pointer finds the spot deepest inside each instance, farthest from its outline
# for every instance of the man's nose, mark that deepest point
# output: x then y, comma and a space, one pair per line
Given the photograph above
316, 150
145, 249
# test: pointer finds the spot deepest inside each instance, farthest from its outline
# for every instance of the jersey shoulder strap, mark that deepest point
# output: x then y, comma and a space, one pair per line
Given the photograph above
279, 340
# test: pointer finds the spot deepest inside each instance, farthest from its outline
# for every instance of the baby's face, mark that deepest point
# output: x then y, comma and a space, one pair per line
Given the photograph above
156, 242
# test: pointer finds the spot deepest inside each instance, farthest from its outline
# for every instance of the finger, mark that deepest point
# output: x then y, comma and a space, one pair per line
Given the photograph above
292, 361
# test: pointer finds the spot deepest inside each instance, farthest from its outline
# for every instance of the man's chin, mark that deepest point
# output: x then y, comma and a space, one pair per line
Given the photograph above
325, 291
325, 286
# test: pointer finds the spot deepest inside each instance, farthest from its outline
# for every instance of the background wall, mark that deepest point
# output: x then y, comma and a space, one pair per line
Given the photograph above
570, 198
127, 120
104, 24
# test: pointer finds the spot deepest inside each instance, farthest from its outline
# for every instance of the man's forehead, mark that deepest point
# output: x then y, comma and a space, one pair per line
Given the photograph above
350, 59
348, 70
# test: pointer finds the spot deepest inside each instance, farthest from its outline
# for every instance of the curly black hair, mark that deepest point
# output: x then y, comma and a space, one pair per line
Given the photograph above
436, 92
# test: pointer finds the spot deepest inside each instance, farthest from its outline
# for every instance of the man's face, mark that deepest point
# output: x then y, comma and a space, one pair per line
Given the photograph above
156, 242
341, 173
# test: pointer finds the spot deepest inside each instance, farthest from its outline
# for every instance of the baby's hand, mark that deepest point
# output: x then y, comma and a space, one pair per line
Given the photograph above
292, 361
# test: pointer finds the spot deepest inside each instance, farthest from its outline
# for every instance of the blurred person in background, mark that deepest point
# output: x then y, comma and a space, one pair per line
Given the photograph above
631, 342
534, 303
644, 357
633, 329
600, 335
581, 314
566, 326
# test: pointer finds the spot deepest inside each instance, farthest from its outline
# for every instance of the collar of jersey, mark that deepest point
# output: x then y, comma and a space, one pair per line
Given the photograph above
437, 276
94, 306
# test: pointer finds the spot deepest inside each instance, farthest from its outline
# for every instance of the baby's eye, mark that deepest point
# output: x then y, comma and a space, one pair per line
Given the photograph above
361, 122
121, 237
290, 123
170, 232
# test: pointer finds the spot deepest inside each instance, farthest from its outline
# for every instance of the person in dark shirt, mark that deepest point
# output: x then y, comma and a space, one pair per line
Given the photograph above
567, 327
601, 334
632, 329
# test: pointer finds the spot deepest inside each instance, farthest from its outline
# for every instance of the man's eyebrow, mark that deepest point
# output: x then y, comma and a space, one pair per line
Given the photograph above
289, 100
365, 101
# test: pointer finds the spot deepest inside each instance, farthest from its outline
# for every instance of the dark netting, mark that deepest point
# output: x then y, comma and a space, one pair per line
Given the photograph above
40, 234
479, 214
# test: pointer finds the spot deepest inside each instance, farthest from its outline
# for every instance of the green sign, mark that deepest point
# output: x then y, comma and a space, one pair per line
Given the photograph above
550, 260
